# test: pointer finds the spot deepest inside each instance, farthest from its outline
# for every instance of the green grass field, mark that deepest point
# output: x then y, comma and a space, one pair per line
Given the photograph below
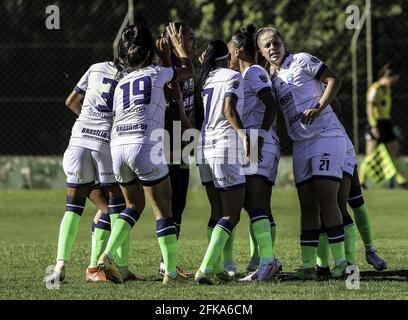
29, 229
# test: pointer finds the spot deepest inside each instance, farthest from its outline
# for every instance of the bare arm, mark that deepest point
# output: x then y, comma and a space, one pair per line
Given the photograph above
230, 111
176, 36
74, 103
271, 108
333, 84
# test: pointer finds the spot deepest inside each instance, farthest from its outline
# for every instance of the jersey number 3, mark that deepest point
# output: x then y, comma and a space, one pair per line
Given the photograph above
141, 90
107, 96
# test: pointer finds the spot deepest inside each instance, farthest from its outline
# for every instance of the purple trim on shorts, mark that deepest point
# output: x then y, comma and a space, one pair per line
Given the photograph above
301, 183
348, 175
108, 185
260, 176
135, 180
331, 178
234, 187
79, 185
153, 183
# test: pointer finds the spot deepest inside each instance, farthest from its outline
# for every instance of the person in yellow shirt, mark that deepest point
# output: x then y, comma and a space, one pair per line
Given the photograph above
380, 130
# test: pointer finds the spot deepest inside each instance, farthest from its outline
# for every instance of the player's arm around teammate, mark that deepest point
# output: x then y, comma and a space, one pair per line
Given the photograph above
259, 114
139, 105
319, 144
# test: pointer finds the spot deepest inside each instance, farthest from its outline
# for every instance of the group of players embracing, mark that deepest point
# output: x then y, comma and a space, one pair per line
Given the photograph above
117, 154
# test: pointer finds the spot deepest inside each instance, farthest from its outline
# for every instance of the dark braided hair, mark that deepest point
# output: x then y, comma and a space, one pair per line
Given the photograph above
215, 50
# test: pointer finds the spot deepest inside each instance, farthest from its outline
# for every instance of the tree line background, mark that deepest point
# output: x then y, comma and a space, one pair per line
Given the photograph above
40, 67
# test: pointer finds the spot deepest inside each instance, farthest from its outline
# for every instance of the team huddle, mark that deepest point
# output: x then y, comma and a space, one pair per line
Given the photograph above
117, 153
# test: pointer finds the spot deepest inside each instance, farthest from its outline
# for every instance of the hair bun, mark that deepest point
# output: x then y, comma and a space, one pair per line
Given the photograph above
248, 31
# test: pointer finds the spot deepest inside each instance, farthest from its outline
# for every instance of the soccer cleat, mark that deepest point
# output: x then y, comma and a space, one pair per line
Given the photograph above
339, 271
204, 278
252, 276
373, 259
305, 274
267, 271
183, 272
110, 268
223, 276
95, 275
323, 273
129, 276
231, 269
162, 271
168, 281
253, 265
57, 276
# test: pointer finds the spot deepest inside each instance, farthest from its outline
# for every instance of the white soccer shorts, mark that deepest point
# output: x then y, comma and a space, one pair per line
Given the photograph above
84, 166
139, 162
321, 157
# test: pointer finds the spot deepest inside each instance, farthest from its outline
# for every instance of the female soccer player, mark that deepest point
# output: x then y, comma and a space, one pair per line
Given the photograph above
88, 159
319, 145
179, 172
350, 192
259, 113
137, 147
223, 99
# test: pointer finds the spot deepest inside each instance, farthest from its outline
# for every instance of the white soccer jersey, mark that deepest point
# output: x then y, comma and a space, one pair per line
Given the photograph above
92, 128
217, 134
257, 81
139, 105
297, 88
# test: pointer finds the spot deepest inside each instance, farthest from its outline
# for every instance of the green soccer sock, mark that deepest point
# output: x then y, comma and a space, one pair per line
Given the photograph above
323, 251
100, 239
253, 245
67, 235
335, 235
262, 232
166, 235
363, 223
349, 239
273, 235
219, 237
119, 233
228, 249
122, 254
120, 230
309, 240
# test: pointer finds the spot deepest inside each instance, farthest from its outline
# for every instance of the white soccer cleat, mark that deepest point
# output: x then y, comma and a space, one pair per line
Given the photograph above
252, 276
231, 269
373, 259
266, 272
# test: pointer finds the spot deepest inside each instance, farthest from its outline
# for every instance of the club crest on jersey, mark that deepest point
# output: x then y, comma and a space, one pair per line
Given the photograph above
289, 78
236, 84
263, 78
